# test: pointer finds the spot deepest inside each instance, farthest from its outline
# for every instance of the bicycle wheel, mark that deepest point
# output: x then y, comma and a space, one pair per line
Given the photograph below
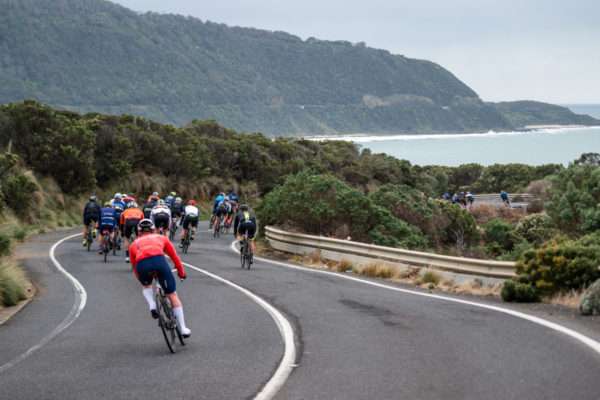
105, 244
247, 254
90, 237
186, 241
164, 321
172, 231
116, 237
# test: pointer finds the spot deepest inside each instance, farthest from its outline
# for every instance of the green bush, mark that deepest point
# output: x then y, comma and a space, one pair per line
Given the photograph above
458, 225
562, 264
500, 237
11, 292
4, 244
323, 205
518, 292
17, 192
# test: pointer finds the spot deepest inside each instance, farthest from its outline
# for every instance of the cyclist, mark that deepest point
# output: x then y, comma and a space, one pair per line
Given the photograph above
233, 196
148, 261
119, 207
176, 209
233, 209
128, 198
91, 212
154, 194
470, 199
107, 223
161, 217
219, 199
170, 199
504, 197
189, 217
222, 210
147, 209
245, 223
130, 218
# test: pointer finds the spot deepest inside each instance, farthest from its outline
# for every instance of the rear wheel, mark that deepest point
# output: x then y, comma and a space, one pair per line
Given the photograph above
164, 323
105, 246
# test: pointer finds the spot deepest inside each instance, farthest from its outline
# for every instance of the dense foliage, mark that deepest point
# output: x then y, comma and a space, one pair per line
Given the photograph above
527, 113
324, 205
90, 55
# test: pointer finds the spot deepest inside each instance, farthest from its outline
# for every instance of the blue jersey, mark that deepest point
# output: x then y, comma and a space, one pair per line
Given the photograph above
119, 207
233, 197
169, 201
107, 216
217, 201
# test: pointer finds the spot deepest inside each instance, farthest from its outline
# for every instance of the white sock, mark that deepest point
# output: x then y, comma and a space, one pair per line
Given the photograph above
178, 311
149, 295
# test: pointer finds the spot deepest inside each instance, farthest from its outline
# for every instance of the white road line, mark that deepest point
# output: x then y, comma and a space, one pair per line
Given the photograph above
287, 333
559, 328
80, 301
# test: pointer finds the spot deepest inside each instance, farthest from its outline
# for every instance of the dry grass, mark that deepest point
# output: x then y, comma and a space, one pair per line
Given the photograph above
430, 276
484, 213
12, 282
344, 265
571, 298
477, 288
377, 270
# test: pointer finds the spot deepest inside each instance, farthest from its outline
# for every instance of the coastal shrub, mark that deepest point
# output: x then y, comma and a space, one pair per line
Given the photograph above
574, 197
536, 228
590, 302
500, 236
562, 264
4, 244
458, 226
515, 291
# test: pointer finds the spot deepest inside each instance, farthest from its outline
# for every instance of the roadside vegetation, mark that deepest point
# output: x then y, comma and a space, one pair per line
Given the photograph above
53, 160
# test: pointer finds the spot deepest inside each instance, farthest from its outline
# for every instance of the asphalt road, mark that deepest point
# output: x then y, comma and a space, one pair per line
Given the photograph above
354, 340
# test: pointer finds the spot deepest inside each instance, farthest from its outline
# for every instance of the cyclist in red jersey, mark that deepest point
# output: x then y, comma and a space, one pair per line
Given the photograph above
148, 261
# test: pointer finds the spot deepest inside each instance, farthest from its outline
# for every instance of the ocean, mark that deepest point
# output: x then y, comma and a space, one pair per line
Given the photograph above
537, 147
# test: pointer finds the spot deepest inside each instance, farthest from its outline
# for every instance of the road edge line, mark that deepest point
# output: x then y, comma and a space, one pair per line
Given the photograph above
593, 344
80, 297
286, 365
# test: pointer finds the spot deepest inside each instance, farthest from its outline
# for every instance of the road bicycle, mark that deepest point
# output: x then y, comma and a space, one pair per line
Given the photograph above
245, 255
166, 319
105, 243
115, 240
212, 221
219, 228
90, 235
187, 240
173, 228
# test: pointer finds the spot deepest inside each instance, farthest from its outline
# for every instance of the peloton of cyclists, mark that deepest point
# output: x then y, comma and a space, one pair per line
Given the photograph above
91, 212
189, 217
119, 206
148, 260
245, 223
130, 219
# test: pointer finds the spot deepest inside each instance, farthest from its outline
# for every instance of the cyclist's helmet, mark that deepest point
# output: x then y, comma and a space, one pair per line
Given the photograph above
244, 207
178, 200
222, 194
118, 196
234, 191
132, 204
107, 204
131, 195
146, 224
173, 194
161, 202
92, 198
154, 199
226, 198
154, 193
191, 203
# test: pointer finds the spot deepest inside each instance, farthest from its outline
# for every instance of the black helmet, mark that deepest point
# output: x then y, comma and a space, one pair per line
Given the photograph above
154, 199
145, 224
244, 207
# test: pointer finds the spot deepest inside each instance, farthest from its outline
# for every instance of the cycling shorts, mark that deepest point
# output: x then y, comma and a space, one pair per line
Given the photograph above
248, 227
221, 212
89, 218
175, 213
130, 227
161, 220
157, 265
109, 228
188, 219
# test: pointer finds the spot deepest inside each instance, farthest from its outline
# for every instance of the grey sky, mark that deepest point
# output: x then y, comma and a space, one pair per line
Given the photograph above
545, 50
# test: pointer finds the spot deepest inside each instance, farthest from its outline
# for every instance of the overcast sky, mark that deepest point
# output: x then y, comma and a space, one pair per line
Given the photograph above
544, 50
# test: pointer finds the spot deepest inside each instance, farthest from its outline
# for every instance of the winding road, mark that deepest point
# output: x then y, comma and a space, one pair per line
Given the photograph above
279, 331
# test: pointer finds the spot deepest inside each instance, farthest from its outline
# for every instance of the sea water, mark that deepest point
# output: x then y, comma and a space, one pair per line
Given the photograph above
536, 147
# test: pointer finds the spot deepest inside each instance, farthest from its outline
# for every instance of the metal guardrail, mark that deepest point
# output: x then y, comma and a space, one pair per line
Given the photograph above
337, 249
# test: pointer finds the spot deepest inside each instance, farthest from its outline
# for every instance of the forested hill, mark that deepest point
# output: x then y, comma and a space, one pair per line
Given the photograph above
93, 55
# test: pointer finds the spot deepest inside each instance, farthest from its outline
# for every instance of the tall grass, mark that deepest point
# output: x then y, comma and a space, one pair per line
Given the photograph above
12, 282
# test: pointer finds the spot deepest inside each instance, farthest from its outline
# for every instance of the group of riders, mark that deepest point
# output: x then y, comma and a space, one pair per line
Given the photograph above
121, 217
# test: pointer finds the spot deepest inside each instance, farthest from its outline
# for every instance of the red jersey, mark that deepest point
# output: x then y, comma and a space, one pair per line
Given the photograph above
153, 244
131, 213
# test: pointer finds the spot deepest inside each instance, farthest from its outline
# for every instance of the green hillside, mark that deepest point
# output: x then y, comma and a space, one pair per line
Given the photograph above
93, 55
